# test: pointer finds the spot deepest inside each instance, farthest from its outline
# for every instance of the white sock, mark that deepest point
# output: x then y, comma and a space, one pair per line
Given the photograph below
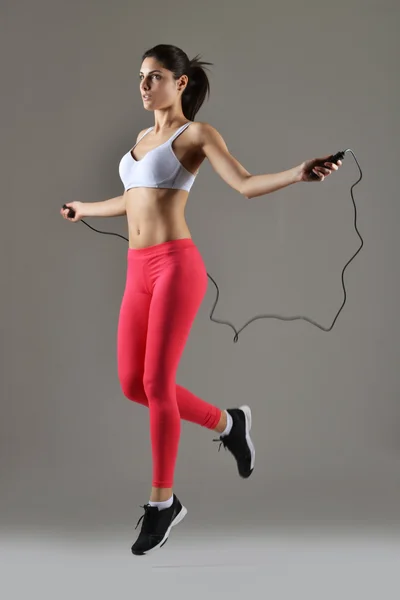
229, 424
163, 505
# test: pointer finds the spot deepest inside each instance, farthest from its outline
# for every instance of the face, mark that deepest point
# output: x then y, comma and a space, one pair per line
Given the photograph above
159, 84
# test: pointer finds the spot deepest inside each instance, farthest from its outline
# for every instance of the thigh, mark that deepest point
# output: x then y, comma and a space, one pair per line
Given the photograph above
177, 294
131, 337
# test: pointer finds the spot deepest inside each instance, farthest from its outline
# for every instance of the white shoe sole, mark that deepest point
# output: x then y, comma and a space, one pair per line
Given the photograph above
247, 413
179, 517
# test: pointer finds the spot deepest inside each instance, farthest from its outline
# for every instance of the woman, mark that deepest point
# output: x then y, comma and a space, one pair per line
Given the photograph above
166, 276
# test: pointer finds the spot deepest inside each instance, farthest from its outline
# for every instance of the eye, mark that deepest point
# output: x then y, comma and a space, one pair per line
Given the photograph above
154, 75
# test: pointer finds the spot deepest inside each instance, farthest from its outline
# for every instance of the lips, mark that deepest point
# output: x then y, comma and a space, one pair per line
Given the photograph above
146, 97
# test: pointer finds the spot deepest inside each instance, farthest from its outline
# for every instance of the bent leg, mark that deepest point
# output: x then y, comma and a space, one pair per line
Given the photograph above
131, 350
178, 288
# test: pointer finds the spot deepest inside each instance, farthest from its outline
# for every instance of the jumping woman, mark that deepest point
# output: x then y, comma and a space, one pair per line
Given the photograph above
166, 278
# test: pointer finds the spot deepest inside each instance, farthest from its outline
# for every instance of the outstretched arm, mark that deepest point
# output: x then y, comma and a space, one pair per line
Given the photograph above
234, 174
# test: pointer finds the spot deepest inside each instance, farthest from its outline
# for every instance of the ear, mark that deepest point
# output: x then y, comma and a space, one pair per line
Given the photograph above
182, 83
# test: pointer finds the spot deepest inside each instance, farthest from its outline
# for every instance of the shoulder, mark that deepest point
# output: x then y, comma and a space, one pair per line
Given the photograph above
142, 132
204, 133
201, 129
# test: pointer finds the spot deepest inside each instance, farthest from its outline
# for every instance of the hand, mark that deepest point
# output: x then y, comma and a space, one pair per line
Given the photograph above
77, 207
312, 166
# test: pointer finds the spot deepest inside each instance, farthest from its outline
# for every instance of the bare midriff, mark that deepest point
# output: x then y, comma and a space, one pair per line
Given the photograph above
155, 215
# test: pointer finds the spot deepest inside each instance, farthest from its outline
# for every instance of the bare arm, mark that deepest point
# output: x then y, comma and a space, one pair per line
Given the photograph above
115, 207
234, 174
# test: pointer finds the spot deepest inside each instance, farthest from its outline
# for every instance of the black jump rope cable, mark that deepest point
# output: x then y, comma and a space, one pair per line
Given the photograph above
334, 159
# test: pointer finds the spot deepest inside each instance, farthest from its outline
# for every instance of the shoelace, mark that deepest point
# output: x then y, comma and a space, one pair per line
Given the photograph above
226, 442
147, 513
222, 440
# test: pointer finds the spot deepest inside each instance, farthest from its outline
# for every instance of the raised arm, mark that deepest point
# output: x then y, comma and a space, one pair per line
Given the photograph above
234, 174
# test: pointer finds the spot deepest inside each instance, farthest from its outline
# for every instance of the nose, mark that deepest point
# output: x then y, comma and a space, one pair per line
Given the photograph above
144, 85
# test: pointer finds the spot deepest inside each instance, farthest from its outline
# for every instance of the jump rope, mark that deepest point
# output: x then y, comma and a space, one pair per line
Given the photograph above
334, 159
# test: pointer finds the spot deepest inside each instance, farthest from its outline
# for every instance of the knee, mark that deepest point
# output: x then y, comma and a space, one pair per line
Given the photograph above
154, 388
132, 387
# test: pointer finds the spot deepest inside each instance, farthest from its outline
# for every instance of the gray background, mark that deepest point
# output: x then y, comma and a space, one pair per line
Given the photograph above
290, 81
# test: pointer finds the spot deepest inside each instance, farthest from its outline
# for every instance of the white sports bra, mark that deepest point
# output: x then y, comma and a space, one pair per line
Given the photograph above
159, 168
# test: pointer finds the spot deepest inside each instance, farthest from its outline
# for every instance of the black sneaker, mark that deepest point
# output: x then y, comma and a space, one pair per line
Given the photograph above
238, 441
156, 526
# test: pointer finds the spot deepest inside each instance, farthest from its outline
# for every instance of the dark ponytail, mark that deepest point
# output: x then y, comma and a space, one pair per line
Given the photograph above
176, 60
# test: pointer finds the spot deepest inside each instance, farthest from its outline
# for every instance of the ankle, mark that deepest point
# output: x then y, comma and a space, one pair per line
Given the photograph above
222, 422
160, 494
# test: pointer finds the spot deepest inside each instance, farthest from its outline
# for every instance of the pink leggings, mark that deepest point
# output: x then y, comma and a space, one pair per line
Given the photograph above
165, 285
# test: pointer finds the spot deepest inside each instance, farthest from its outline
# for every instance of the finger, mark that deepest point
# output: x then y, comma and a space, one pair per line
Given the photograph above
318, 173
320, 170
325, 171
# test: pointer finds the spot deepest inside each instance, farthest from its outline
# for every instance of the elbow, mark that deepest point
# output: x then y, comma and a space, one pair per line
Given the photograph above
123, 204
244, 188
